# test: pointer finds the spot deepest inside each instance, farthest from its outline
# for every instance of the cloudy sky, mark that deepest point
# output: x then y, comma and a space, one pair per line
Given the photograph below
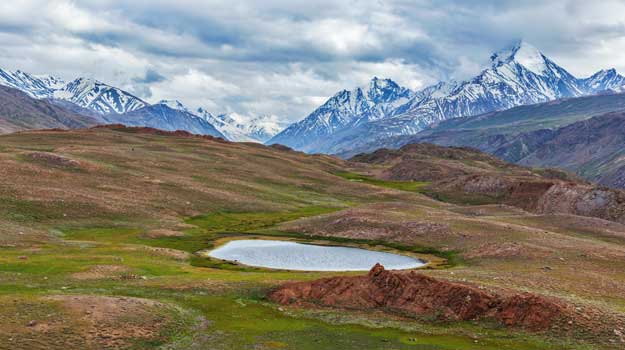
285, 57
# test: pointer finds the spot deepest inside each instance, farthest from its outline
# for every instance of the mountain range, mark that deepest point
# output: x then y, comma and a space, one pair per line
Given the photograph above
103, 103
583, 135
234, 126
519, 75
521, 105
86, 93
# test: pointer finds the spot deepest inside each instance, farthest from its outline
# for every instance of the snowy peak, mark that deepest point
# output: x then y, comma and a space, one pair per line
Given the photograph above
604, 80
518, 75
264, 127
344, 110
35, 86
84, 92
51, 81
100, 97
524, 54
174, 104
234, 126
237, 127
385, 90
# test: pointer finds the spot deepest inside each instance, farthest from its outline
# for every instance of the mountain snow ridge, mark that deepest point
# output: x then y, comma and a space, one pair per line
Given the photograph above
113, 105
100, 97
86, 93
234, 126
34, 86
518, 75
344, 109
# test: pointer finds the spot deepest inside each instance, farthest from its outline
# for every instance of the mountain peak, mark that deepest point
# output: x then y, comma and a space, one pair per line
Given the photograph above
385, 90
174, 104
381, 83
524, 54
605, 73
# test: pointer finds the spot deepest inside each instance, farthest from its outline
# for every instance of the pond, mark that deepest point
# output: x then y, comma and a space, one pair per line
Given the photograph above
308, 257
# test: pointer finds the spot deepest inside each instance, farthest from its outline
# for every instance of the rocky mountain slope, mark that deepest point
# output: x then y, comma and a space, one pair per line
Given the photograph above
520, 75
468, 175
593, 148
19, 111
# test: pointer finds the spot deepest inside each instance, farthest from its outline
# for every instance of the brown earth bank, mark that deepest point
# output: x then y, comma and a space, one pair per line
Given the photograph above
416, 295
466, 175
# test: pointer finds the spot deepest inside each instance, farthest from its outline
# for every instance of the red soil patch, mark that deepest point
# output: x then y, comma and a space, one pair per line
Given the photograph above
415, 294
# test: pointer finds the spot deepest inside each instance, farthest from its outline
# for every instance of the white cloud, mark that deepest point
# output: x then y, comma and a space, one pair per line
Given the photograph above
341, 37
194, 88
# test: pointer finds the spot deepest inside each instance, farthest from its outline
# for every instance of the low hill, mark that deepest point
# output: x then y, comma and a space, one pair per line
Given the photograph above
464, 174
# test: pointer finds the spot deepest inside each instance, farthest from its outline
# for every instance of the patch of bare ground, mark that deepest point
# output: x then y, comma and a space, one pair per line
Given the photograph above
489, 210
158, 251
97, 272
115, 322
16, 235
388, 221
416, 295
171, 253
158, 233
509, 250
54, 160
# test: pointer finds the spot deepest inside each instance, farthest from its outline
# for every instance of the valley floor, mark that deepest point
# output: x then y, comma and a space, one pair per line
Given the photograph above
99, 231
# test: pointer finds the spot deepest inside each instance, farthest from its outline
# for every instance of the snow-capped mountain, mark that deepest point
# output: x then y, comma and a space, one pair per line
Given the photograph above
100, 97
86, 93
264, 127
235, 127
518, 75
35, 86
227, 125
604, 80
345, 109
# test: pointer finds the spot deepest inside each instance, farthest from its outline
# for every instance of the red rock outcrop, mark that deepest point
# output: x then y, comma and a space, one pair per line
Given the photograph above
412, 293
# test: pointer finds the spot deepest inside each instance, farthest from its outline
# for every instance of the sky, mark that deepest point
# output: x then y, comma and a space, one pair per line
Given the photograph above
286, 57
